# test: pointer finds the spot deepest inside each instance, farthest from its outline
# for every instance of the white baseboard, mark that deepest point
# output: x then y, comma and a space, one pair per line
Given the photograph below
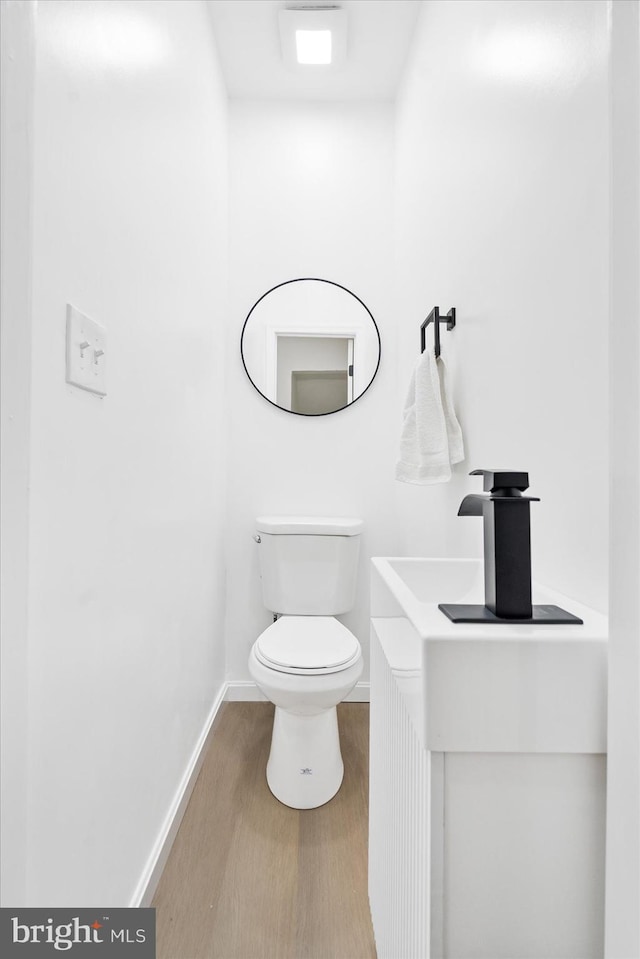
244, 691
361, 693
150, 878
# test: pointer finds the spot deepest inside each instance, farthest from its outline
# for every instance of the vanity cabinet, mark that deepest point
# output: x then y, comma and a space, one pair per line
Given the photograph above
487, 778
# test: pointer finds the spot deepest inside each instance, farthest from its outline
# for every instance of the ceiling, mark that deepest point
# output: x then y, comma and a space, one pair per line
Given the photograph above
378, 38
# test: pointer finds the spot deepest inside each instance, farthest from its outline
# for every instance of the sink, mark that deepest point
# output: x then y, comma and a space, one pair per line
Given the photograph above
481, 687
434, 581
439, 580
487, 768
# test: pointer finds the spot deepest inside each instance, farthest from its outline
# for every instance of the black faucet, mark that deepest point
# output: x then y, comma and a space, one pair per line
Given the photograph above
507, 540
507, 556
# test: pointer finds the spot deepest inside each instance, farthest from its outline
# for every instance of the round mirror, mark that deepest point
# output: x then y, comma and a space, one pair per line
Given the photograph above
310, 346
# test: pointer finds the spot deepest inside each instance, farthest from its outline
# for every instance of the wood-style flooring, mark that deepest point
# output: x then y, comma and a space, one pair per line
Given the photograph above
250, 878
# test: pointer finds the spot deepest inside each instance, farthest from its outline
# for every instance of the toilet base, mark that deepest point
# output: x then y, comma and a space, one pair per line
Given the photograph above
305, 766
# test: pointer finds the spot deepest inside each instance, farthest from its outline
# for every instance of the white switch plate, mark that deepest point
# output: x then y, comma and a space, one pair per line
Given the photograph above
86, 352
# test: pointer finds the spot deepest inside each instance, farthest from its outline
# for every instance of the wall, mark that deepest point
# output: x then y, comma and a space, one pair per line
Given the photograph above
126, 650
502, 212
310, 195
16, 116
623, 761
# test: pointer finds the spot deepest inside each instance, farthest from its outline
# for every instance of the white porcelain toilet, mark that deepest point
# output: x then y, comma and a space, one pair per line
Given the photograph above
306, 662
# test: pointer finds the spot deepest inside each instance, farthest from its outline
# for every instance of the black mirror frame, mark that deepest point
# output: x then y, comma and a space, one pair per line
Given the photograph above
317, 279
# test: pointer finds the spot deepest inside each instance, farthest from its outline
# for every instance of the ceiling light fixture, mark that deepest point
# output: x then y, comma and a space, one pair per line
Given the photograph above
313, 36
313, 46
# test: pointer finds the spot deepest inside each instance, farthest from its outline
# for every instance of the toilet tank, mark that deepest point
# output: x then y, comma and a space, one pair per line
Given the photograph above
308, 564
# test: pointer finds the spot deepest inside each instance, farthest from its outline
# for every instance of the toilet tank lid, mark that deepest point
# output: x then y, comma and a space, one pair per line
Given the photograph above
310, 525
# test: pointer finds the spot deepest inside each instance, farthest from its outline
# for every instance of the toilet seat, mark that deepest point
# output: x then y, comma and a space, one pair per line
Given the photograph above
307, 645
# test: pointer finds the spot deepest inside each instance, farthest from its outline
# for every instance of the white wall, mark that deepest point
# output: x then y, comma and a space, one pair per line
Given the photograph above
502, 212
126, 649
623, 796
310, 195
16, 116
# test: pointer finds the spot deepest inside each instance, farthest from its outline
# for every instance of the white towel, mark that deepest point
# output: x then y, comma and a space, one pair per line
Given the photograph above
431, 438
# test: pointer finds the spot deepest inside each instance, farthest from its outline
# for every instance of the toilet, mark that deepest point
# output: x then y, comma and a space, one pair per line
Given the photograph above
306, 662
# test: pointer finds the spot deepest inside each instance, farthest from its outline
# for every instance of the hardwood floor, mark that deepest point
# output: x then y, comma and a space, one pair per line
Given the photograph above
250, 878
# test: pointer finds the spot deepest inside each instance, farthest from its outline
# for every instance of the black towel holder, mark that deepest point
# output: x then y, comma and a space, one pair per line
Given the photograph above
435, 318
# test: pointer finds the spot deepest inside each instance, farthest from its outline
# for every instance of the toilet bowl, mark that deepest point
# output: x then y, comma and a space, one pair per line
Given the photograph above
305, 767
306, 662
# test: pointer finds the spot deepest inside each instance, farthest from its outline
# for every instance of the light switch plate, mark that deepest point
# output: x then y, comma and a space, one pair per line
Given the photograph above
86, 353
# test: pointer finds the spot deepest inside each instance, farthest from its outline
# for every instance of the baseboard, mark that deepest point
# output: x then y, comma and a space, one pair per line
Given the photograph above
150, 878
361, 693
244, 691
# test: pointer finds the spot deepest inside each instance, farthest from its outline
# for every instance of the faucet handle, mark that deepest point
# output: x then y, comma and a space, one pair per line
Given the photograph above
503, 479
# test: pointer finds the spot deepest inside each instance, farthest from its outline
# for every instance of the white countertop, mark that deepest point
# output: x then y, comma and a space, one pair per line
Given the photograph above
494, 687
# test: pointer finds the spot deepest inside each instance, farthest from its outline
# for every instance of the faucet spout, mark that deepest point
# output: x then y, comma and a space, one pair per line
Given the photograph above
472, 505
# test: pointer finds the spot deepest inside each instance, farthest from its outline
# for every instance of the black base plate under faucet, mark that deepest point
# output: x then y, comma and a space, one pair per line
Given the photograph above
471, 613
